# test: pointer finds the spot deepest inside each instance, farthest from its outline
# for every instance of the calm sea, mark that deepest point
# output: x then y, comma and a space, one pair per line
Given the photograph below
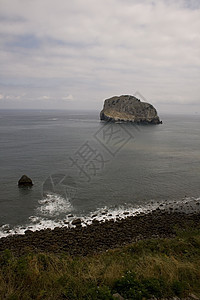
81, 166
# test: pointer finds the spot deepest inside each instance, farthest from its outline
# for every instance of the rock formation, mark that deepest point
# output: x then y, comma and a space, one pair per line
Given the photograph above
25, 181
128, 108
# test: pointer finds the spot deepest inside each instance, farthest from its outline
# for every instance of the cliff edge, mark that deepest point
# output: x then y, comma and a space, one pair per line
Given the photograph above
128, 108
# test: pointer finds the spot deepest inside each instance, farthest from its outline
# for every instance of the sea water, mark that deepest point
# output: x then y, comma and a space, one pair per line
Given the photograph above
82, 167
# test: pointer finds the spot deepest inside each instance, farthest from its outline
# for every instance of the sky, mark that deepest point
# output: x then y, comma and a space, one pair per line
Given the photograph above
74, 54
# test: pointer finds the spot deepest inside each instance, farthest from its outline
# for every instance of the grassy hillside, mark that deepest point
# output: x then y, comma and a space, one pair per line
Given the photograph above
159, 267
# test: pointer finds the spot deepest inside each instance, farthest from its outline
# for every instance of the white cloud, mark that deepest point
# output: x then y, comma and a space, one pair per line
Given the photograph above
45, 97
12, 97
97, 49
69, 97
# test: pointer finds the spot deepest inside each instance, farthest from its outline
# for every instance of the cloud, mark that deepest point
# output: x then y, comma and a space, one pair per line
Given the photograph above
12, 97
98, 49
69, 97
45, 97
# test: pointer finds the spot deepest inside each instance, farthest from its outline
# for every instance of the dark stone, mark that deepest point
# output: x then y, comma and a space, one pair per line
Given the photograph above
25, 181
95, 221
28, 232
127, 108
76, 222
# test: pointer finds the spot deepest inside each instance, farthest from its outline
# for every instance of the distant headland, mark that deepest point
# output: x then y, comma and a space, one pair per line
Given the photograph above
127, 108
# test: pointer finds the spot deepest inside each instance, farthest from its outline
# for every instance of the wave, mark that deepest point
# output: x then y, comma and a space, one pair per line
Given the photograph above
53, 205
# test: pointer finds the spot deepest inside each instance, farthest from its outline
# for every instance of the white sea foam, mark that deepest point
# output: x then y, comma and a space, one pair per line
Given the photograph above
53, 205
33, 226
49, 207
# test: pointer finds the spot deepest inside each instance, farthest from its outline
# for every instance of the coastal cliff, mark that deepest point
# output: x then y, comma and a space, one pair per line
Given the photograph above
128, 108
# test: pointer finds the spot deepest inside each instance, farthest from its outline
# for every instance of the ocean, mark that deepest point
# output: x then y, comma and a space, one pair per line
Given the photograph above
82, 167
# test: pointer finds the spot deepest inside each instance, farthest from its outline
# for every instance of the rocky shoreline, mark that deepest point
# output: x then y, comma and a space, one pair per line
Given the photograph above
101, 236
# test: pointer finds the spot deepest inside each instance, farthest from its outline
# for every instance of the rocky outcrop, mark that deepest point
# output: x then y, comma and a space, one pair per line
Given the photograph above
128, 108
25, 181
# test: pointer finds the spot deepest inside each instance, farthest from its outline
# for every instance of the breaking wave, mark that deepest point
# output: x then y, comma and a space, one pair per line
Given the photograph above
55, 206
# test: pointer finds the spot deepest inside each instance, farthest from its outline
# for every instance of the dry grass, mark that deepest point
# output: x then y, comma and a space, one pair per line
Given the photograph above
49, 276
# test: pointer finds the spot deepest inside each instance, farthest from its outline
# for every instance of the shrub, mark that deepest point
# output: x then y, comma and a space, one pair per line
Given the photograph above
179, 288
99, 293
131, 288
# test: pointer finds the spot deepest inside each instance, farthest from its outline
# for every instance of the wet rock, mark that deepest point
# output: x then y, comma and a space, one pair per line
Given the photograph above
28, 232
141, 214
77, 222
95, 222
25, 181
126, 213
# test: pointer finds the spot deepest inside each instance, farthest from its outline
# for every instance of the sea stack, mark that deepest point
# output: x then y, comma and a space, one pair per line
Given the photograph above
25, 181
127, 108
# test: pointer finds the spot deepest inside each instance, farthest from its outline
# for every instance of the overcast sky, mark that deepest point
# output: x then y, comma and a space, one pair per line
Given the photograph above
74, 54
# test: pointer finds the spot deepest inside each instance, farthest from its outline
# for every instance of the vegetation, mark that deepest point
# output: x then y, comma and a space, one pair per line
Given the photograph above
159, 267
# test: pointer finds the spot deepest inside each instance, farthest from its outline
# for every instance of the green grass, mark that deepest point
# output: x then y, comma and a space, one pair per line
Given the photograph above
159, 267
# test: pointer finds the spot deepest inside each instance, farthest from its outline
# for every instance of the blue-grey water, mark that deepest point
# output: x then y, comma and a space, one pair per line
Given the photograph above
80, 165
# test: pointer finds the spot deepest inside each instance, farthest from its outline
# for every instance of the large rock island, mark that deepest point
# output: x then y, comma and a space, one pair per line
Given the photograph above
128, 108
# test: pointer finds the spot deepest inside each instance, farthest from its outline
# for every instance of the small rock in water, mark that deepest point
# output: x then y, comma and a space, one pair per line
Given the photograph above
5, 226
126, 213
25, 181
104, 213
76, 222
